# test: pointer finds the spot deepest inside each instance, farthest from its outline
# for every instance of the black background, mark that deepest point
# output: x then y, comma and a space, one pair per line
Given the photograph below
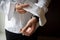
52, 27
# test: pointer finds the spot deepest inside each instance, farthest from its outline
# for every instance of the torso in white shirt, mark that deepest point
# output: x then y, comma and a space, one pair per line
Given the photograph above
17, 22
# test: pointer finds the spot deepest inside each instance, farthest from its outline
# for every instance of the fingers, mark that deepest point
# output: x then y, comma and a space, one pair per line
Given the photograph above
25, 33
18, 6
29, 28
21, 6
29, 31
25, 29
21, 11
25, 5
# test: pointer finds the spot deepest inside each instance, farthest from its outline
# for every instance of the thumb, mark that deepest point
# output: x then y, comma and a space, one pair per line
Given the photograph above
25, 5
26, 27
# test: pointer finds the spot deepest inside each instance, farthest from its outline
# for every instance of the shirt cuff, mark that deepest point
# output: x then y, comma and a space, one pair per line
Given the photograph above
37, 18
39, 12
33, 10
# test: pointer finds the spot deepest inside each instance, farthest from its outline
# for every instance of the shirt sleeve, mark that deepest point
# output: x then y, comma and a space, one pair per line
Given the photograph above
39, 9
4, 5
7, 7
1, 6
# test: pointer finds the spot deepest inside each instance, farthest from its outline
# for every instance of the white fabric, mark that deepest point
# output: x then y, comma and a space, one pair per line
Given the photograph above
15, 21
39, 9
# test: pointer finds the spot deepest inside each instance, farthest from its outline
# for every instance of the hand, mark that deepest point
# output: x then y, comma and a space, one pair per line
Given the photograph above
19, 8
29, 28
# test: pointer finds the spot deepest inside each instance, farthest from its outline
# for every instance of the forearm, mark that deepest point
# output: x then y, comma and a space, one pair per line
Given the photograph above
36, 18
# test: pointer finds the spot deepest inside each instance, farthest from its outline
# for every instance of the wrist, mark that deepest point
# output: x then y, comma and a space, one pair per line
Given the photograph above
34, 20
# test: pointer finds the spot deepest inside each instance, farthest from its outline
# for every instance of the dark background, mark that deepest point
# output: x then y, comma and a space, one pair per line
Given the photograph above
52, 27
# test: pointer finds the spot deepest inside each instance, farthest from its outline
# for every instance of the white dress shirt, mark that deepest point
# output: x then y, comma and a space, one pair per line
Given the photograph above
14, 21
